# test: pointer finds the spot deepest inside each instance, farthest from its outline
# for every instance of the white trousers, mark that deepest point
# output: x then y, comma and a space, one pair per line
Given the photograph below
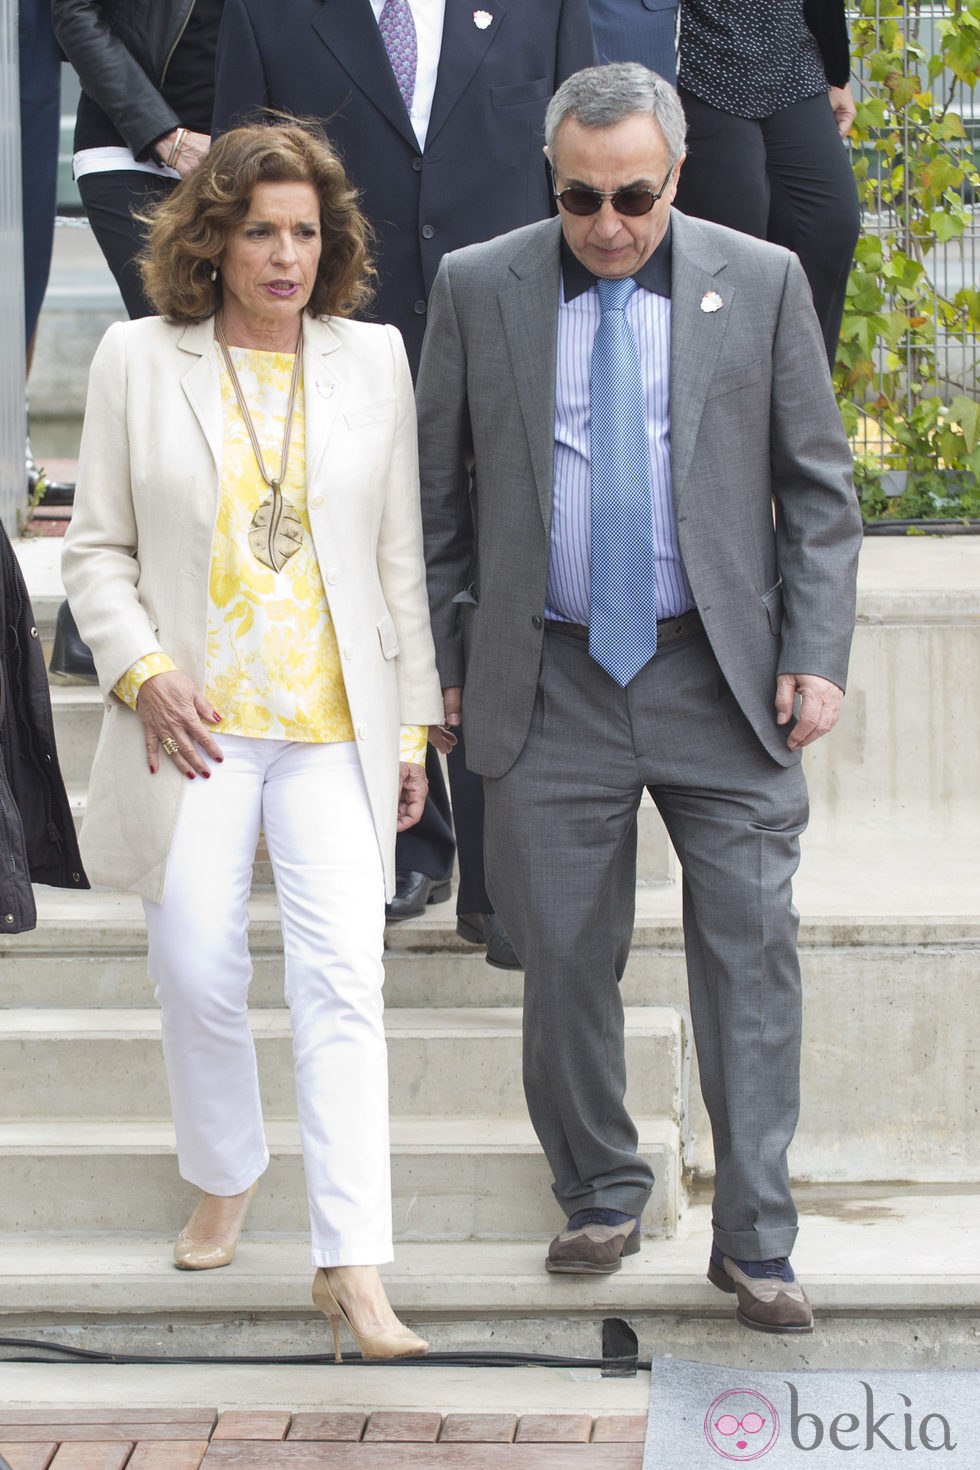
312, 804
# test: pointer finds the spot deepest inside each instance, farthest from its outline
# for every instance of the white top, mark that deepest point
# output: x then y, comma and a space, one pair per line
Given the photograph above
428, 16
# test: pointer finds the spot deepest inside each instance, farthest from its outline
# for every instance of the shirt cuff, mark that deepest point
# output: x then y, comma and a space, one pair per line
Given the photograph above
412, 743
132, 681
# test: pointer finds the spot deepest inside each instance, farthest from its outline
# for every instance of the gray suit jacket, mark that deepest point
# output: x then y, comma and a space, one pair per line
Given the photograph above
754, 424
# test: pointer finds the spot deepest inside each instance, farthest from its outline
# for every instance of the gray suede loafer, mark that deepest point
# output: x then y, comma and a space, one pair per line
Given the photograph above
594, 1242
770, 1299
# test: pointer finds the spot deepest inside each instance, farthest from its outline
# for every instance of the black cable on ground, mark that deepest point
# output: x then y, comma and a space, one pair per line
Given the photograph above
619, 1346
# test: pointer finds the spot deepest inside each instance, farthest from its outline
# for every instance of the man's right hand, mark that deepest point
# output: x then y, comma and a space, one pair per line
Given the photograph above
452, 703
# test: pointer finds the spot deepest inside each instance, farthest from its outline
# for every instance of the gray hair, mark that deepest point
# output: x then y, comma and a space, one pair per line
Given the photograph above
601, 96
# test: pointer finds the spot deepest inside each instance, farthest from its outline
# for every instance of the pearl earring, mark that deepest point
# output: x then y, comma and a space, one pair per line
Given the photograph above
214, 273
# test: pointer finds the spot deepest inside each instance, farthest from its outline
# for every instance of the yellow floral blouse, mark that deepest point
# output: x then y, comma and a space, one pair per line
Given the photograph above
273, 666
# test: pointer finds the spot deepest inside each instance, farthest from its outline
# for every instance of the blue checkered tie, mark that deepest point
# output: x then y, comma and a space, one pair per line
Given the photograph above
397, 27
623, 596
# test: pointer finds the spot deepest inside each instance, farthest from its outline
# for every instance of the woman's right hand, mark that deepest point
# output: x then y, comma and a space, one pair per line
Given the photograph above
192, 149
172, 708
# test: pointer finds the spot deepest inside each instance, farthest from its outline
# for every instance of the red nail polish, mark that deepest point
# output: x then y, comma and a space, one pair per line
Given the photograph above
190, 775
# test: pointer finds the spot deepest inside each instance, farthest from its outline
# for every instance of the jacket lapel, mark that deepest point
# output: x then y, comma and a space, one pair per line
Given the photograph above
464, 45
529, 310
202, 387
348, 29
322, 392
696, 337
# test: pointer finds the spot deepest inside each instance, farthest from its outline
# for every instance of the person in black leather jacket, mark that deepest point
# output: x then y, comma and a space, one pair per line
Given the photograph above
37, 834
147, 74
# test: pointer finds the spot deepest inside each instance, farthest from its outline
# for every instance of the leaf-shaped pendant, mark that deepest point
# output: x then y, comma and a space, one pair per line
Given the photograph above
276, 532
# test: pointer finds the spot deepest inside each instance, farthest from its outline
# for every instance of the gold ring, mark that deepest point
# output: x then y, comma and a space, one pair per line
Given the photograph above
170, 745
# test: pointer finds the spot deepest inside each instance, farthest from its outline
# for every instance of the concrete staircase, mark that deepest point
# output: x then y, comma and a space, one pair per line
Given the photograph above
887, 1153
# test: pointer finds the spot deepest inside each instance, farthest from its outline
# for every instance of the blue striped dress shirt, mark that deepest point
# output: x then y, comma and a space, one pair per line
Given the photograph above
571, 523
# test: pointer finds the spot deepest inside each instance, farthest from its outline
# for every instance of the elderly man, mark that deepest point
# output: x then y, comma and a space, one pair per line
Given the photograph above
638, 392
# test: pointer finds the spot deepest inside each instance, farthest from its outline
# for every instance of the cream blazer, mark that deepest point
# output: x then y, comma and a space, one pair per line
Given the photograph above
137, 557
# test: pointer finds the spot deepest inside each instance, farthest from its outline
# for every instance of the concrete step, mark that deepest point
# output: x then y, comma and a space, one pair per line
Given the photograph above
77, 710
890, 952
83, 1064
891, 1273
452, 1178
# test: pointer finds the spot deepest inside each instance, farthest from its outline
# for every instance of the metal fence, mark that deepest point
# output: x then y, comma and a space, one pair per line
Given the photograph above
951, 361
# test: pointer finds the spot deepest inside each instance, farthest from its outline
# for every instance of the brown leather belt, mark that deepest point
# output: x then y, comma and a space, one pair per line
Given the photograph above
668, 629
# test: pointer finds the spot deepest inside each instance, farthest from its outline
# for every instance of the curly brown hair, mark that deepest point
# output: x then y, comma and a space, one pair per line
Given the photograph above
188, 230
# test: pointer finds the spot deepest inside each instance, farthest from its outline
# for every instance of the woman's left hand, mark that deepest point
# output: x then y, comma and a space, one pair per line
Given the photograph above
843, 108
413, 787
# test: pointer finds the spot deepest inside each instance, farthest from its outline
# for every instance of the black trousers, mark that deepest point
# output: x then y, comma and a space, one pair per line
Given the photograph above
785, 178
40, 110
111, 201
428, 847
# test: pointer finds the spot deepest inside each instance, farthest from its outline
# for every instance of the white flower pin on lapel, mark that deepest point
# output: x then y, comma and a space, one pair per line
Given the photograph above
482, 18
711, 301
325, 390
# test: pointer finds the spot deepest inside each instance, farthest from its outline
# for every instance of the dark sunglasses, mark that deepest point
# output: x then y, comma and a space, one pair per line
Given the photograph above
633, 202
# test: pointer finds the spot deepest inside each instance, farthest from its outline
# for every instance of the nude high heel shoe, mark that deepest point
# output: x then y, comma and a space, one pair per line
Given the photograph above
402, 1343
215, 1250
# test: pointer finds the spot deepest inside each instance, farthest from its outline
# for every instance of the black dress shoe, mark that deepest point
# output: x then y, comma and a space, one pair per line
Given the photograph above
412, 892
71, 659
487, 929
48, 492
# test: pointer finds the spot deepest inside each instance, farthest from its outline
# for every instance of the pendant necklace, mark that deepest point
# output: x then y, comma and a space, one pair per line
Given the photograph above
276, 532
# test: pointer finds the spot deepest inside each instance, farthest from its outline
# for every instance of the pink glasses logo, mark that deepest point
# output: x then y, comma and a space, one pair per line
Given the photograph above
741, 1425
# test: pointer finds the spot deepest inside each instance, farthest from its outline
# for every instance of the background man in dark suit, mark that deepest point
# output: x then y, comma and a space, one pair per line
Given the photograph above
709, 401
445, 154
637, 30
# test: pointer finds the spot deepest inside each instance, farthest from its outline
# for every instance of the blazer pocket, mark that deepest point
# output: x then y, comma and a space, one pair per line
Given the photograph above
740, 377
375, 413
660, 4
513, 96
388, 637
772, 601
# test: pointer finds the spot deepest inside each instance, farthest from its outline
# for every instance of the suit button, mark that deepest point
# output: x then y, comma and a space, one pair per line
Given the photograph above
417, 165
316, 502
333, 576
348, 650
428, 231
419, 308
537, 622
362, 732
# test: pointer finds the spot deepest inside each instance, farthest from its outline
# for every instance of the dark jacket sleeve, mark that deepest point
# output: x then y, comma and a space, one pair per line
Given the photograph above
37, 830
828, 22
240, 86
576, 45
111, 75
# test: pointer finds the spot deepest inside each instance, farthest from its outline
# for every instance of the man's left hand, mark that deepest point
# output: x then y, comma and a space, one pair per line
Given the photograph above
820, 702
413, 787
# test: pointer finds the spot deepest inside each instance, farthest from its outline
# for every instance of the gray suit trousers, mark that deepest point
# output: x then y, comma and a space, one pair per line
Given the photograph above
561, 871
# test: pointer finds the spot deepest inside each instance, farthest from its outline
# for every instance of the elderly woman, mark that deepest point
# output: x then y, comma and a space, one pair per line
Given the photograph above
245, 562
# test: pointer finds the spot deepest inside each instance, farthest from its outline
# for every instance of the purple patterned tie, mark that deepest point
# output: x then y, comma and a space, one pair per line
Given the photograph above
398, 33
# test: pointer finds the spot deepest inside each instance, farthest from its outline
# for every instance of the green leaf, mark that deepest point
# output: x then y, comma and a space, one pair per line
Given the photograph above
966, 413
